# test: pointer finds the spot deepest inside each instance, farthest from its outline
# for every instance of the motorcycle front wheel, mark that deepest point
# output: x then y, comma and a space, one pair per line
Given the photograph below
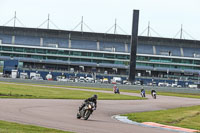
86, 114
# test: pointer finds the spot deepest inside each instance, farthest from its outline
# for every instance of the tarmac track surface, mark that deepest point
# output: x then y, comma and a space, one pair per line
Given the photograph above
61, 114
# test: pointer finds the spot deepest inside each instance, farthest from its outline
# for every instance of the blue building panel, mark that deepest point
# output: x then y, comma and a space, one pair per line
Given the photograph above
27, 40
7, 39
61, 42
83, 44
191, 52
144, 49
168, 50
112, 46
10, 65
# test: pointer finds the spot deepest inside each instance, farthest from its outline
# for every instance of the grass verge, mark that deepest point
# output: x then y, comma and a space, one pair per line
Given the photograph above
187, 95
11, 127
27, 91
186, 117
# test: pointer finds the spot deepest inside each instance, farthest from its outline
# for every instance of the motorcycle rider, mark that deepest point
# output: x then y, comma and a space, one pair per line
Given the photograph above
117, 90
143, 91
114, 88
153, 92
91, 99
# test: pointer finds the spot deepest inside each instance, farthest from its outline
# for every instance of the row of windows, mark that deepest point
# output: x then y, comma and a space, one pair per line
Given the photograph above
168, 66
96, 61
168, 60
63, 52
65, 59
92, 54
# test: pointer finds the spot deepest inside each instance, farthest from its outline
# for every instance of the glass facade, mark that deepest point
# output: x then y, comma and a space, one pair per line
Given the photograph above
98, 57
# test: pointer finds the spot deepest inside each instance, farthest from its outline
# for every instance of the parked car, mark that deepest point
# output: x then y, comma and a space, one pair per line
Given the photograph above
174, 85
62, 78
105, 80
126, 82
89, 80
37, 78
116, 80
179, 86
81, 79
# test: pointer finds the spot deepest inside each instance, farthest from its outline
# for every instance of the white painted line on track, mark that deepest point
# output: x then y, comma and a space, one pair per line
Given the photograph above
125, 119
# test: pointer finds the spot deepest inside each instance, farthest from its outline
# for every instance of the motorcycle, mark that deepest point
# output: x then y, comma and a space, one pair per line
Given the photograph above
86, 111
116, 91
142, 94
154, 95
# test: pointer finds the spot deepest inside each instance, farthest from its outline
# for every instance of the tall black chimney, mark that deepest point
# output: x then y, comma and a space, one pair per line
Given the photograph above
134, 42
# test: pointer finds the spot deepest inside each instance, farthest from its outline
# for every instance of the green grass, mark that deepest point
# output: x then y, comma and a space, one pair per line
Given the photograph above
187, 95
11, 127
187, 117
27, 91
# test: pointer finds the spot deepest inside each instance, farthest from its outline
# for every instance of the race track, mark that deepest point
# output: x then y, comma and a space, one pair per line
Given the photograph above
61, 114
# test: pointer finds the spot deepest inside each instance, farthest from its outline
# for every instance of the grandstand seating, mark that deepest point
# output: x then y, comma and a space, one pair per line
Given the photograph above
6, 38
83, 44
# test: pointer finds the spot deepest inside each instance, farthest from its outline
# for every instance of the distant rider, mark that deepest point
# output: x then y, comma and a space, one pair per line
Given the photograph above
91, 99
153, 92
114, 88
117, 90
143, 92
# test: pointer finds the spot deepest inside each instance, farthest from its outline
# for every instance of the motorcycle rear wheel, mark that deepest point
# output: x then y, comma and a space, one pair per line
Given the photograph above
78, 116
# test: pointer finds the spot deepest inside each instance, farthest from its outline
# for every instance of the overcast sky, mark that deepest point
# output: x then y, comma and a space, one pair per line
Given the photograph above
165, 16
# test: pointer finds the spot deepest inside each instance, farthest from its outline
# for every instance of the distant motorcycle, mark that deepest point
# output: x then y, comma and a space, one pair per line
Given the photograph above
142, 94
116, 91
86, 111
154, 95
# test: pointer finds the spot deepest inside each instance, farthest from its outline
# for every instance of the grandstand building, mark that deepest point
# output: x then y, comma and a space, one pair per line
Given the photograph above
73, 51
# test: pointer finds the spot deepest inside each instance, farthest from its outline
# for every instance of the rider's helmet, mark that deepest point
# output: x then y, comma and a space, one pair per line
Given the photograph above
95, 96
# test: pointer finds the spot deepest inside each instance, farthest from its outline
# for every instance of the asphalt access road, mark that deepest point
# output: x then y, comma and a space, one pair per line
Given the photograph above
61, 114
